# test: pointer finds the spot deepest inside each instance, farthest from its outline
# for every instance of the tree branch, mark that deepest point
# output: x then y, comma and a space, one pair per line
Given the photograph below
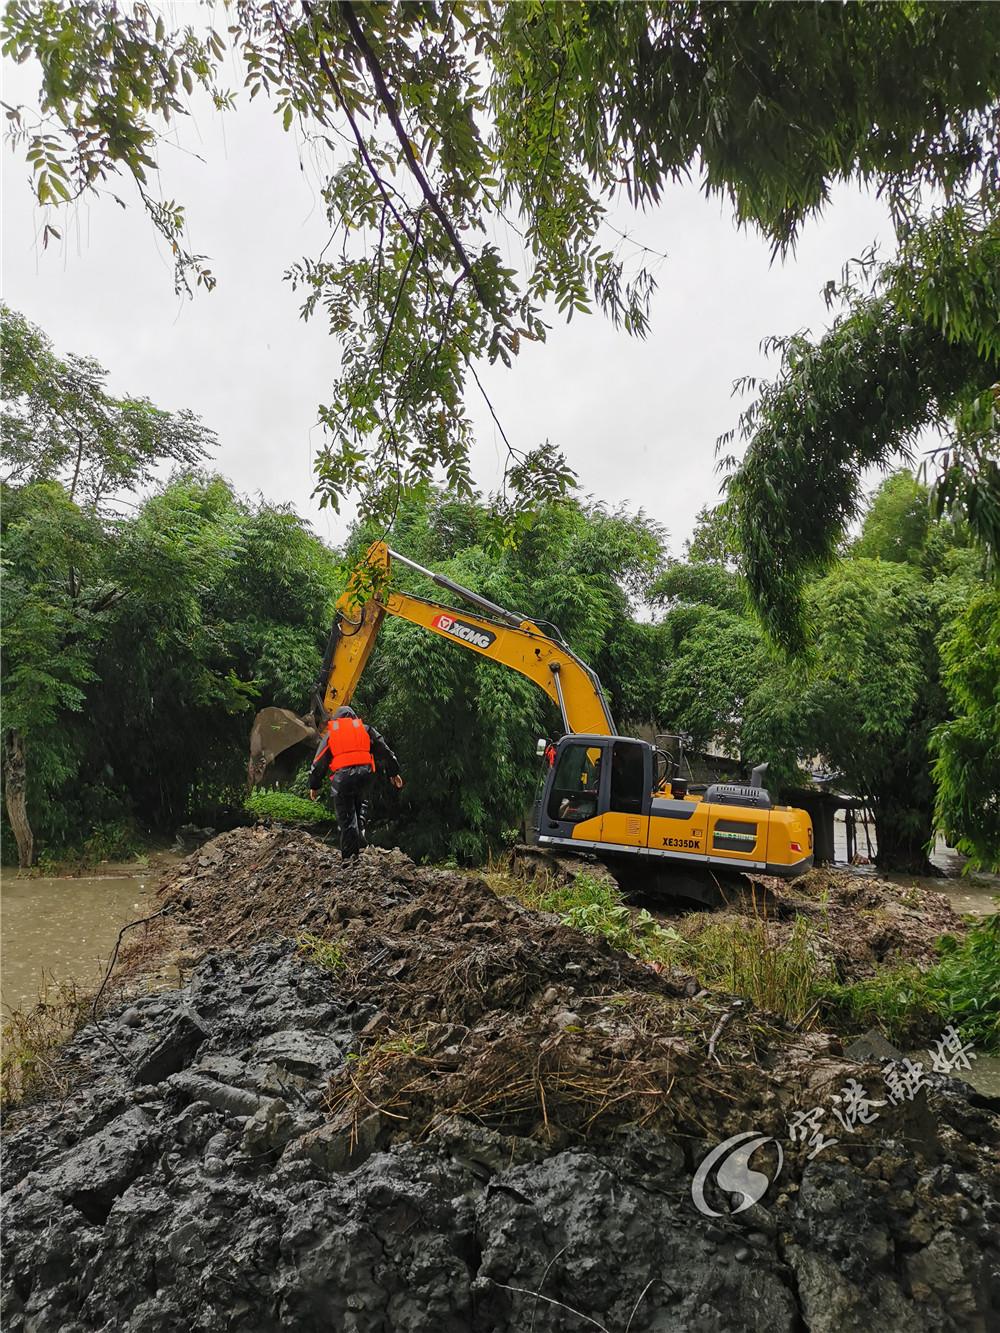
392, 111
334, 83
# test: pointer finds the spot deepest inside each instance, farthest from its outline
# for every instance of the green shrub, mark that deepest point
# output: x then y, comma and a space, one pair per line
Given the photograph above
911, 1005
965, 985
288, 808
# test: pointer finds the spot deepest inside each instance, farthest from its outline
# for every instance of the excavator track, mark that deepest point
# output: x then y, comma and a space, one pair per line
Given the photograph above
696, 886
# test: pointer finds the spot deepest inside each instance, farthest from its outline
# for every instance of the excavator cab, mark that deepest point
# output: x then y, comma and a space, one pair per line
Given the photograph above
597, 791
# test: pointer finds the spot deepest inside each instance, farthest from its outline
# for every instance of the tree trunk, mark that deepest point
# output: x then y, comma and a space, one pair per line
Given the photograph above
902, 835
15, 791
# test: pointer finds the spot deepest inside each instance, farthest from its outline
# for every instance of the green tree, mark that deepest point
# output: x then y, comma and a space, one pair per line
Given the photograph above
967, 768
918, 347
67, 446
897, 522
714, 539
228, 606
60, 423
446, 121
867, 696
134, 648
872, 697
56, 601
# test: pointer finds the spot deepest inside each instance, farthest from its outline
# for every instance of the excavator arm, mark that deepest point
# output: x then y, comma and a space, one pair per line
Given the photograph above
491, 631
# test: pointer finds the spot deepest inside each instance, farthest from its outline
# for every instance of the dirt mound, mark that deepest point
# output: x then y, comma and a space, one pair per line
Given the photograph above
440, 1111
870, 923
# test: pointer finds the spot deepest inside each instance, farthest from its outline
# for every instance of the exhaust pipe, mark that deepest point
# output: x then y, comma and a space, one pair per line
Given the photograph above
757, 775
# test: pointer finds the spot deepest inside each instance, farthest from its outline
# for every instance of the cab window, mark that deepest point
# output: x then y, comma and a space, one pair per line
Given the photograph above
628, 777
576, 785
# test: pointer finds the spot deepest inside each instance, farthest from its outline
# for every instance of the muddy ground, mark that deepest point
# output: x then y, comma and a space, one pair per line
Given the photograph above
442, 1111
859, 924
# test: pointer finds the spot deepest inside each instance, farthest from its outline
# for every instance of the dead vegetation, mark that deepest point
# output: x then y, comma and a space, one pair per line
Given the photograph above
560, 1021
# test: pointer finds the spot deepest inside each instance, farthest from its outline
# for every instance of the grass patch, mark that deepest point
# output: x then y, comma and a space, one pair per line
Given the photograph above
327, 954
777, 969
289, 809
748, 957
963, 988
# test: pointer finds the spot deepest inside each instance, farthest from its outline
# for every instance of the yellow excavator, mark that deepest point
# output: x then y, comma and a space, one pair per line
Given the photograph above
603, 795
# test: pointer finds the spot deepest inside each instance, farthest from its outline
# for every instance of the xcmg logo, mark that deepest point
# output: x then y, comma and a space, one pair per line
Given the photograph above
458, 629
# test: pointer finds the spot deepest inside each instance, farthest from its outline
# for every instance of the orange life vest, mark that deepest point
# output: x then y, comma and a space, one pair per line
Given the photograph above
349, 744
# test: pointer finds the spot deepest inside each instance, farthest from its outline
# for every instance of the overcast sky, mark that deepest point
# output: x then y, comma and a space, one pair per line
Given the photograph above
637, 420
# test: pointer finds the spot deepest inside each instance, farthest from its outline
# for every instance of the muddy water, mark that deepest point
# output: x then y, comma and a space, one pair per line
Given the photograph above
62, 929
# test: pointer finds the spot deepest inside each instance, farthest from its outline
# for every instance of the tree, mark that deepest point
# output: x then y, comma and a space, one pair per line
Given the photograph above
867, 694
60, 423
897, 523
444, 121
229, 605
917, 349
967, 768
872, 697
56, 600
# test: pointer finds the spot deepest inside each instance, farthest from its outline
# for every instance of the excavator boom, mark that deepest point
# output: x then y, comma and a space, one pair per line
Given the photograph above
491, 631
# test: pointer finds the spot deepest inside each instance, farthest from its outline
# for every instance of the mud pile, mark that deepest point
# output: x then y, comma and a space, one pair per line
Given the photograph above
439, 1111
869, 922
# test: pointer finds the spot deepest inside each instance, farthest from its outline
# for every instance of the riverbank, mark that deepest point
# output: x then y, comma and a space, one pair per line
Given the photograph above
387, 1098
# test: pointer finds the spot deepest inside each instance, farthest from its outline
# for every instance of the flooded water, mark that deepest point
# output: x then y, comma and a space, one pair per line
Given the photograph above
62, 929
983, 1073
969, 895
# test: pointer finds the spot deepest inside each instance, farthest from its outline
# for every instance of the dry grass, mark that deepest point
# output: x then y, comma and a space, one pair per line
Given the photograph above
31, 1065
572, 1082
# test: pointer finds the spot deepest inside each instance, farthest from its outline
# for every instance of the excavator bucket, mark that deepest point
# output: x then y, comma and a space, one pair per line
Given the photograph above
355, 627
276, 730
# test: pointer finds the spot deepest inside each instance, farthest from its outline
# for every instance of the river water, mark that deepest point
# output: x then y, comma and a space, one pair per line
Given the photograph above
55, 930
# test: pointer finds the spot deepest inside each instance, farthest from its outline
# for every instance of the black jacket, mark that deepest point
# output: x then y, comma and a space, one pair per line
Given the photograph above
385, 761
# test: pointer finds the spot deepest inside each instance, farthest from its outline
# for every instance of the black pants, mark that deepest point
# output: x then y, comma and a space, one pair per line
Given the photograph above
350, 787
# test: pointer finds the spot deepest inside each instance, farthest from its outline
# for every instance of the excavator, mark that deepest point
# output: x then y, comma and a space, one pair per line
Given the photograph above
604, 796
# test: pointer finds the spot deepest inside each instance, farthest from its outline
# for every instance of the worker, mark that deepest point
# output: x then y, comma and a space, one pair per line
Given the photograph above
351, 752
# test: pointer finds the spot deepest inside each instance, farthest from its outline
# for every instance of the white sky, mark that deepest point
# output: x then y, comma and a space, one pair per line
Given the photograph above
637, 420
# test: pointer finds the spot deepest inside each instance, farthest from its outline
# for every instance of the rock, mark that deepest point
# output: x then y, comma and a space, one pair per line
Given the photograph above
92, 1174
234, 1101
173, 1051
872, 1046
308, 1054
